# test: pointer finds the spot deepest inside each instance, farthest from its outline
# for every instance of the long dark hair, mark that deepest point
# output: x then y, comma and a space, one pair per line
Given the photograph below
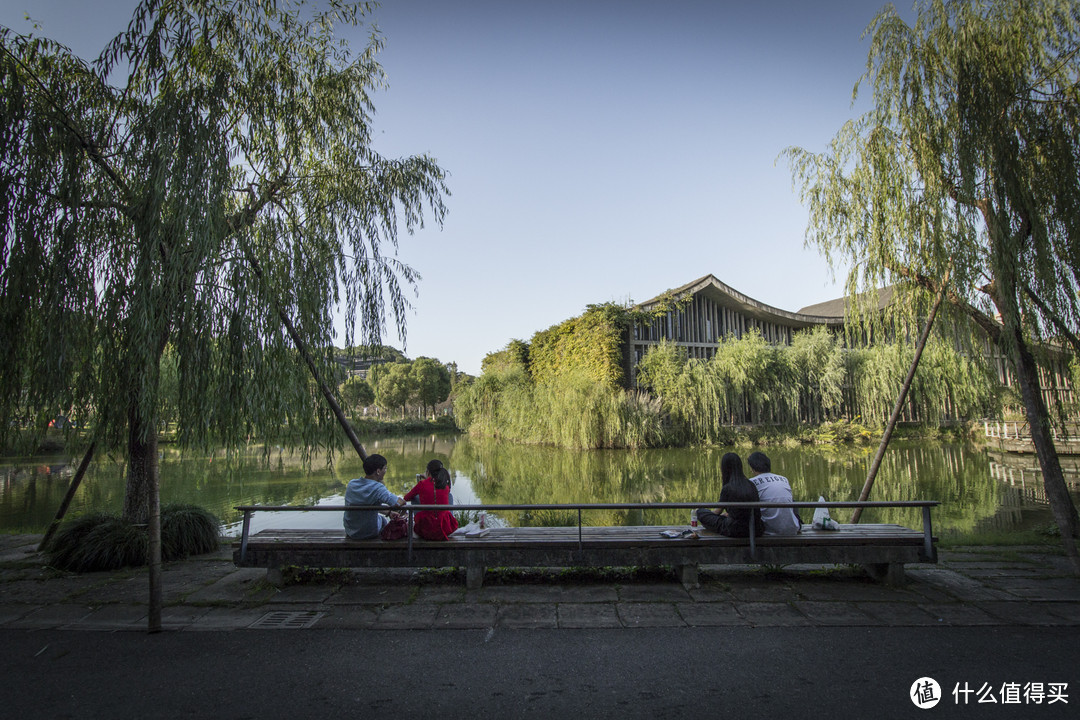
442, 478
731, 468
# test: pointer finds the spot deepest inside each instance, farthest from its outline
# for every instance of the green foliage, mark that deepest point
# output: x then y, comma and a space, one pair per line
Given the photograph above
208, 176
589, 346
432, 382
395, 386
812, 383
98, 542
356, 393
187, 530
514, 355
962, 179
102, 541
573, 411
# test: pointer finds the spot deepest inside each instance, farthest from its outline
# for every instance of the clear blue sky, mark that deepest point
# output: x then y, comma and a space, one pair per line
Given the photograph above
598, 150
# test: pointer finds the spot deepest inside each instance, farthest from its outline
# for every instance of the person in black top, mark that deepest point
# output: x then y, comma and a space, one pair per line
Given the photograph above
736, 487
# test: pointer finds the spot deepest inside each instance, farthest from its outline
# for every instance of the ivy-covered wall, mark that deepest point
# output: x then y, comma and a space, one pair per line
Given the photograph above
592, 345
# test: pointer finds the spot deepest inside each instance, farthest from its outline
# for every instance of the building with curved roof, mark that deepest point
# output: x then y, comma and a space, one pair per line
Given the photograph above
707, 310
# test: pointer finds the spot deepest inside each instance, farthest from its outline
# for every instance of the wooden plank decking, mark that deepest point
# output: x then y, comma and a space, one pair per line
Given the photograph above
882, 548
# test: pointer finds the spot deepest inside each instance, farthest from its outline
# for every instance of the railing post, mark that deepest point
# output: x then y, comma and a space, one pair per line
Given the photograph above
928, 536
244, 535
409, 525
753, 534
580, 544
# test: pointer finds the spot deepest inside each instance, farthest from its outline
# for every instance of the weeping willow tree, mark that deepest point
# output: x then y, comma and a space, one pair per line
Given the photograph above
967, 162
206, 179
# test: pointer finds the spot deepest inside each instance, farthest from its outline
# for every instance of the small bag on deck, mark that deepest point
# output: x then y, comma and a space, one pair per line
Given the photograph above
396, 529
822, 519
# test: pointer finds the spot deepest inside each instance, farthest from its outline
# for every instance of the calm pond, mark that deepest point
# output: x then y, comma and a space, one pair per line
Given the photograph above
979, 490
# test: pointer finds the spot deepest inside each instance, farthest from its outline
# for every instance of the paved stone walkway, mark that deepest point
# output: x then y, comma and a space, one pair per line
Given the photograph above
1016, 586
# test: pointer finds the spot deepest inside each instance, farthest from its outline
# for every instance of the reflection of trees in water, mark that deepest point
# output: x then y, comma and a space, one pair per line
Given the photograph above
30, 493
954, 474
957, 475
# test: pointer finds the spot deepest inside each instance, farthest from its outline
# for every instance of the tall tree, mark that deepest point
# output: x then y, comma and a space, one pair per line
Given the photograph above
209, 176
395, 386
432, 382
969, 158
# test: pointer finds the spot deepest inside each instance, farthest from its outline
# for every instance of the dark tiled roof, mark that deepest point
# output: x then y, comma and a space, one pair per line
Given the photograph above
837, 307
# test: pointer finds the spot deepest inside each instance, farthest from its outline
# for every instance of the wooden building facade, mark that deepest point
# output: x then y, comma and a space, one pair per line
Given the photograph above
714, 311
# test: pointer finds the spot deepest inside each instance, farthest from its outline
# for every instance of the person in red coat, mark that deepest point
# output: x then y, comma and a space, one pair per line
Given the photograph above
433, 490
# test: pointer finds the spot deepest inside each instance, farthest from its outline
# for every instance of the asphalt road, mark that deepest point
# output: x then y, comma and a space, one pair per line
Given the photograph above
775, 672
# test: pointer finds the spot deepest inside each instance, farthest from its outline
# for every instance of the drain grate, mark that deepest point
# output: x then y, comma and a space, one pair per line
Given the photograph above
286, 620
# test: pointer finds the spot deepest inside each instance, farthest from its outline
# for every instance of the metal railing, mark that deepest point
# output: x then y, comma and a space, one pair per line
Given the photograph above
925, 505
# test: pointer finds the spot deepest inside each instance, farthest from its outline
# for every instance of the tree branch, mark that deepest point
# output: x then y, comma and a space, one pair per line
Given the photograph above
990, 326
1054, 318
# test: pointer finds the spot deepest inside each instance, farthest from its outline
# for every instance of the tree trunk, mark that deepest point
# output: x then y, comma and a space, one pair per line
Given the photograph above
1006, 297
904, 389
142, 502
1027, 377
142, 467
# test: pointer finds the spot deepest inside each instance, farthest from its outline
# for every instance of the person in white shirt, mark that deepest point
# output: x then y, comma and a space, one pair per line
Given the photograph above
773, 488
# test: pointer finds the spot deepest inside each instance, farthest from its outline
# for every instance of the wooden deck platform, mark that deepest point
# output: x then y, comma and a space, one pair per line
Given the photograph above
883, 549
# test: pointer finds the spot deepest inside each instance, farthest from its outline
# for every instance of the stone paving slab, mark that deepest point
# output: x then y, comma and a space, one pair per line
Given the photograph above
44, 590
226, 619
528, 616
543, 593
713, 614
303, 593
851, 591
408, 617
112, 617
898, 614
356, 617
834, 613
651, 614
1018, 587
10, 613
240, 585
960, 614
372, 595
20, 549
770, 614
588, 615
1021, 613
440, 595
1069, 611
959, 586
763, 594
51, 616
710, 593
179, 618
1038, 588
653, 592
458, 616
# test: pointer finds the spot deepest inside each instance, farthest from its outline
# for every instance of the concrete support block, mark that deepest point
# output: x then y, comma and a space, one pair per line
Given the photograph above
688, 575
888, 573
474, 576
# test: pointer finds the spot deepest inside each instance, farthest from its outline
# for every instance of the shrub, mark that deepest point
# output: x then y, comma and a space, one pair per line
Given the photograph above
101, 541
187, 530
98, 542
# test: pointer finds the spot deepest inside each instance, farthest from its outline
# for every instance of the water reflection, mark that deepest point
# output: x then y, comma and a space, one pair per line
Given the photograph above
978, 491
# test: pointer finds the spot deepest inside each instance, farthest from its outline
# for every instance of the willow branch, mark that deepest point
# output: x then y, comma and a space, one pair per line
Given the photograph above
1054, 318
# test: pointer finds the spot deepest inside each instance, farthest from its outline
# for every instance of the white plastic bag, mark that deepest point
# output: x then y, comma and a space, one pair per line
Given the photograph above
822, 519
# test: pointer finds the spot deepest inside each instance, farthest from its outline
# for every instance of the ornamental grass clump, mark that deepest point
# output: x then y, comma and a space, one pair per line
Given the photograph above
187, 530
98, 542
101, 541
